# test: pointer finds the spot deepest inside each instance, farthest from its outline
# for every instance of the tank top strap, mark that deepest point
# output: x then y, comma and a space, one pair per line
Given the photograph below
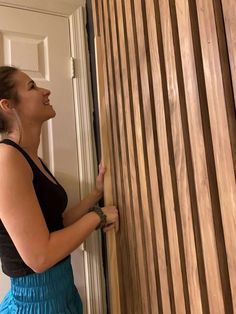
21, 150
48, 171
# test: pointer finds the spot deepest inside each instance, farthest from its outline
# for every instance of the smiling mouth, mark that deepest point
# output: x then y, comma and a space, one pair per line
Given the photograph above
47, 102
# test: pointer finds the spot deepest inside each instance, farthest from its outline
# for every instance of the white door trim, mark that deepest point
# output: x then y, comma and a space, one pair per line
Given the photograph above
74, 10
87, 156
56, 7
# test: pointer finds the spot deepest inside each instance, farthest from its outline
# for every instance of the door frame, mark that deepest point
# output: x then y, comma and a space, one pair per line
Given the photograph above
75, 12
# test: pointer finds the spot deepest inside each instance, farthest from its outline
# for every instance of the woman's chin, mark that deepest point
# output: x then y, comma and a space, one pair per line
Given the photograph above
53, 113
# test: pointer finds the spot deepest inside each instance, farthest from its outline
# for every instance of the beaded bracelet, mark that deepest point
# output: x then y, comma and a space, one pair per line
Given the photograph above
103, 217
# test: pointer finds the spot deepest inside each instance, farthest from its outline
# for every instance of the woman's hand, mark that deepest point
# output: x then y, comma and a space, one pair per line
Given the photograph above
112, 216
100, 179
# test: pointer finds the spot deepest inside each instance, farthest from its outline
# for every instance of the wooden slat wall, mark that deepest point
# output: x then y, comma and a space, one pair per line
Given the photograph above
169, 96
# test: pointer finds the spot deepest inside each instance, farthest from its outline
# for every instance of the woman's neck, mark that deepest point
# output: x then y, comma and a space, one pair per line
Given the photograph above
28, 139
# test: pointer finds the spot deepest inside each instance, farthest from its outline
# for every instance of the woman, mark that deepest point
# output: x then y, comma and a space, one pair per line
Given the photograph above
37, 235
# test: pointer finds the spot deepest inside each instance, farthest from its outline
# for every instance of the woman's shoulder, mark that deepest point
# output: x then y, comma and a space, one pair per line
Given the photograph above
9, 153
11, 159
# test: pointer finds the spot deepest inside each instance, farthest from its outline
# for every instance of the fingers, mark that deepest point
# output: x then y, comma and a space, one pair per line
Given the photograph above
114, 226
101, 164
109, 227
112, 216
115, 214
102, 168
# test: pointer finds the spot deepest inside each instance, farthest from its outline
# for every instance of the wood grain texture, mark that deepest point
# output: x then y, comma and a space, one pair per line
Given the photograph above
226, 33
220, 134
108, 97
180, 159
108, 198
132, 153
118, 114
198, 155
150, 150
144, 144
161, 114
229, 11
170, 119
118, 161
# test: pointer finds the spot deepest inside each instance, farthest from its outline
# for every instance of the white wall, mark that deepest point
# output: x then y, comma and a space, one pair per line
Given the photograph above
4, 282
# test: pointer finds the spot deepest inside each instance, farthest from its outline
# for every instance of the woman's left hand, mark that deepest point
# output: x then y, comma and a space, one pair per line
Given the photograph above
100, 178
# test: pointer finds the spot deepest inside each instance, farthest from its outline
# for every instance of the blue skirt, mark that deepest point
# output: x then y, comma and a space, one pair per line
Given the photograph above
50, 292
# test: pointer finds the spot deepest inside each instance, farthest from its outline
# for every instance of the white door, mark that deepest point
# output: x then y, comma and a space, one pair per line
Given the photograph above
39, 44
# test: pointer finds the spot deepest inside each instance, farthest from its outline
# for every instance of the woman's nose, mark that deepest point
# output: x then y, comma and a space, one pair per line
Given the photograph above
46, 92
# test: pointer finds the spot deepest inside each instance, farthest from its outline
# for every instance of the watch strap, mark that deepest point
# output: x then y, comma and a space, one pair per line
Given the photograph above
103, 217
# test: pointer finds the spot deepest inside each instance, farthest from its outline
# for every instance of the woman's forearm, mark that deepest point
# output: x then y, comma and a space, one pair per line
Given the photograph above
73, 214
63, 242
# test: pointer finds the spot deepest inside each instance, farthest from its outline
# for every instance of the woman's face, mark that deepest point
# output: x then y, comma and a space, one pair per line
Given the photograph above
33, 102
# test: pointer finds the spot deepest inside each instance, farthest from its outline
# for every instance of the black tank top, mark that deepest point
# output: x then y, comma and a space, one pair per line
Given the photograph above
53, 201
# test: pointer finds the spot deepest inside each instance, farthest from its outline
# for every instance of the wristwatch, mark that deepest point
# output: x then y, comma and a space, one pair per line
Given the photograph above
103, 217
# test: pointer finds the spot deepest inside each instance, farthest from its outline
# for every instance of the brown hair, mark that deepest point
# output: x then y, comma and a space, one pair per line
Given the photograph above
7, 90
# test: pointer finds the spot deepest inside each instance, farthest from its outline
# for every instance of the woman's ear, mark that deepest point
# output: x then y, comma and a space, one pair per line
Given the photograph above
6, 105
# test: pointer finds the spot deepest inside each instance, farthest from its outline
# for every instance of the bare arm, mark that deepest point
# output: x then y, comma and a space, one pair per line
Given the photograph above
73, 214
22, 216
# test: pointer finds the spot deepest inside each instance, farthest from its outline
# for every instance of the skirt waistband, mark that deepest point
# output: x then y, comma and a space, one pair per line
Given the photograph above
37, 287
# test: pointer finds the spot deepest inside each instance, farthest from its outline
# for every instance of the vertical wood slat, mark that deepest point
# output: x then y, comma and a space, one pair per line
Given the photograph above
229, 11
154, 33
111, 240
118, 173
126, 206
136, 87
120, 294
227, 51
151, 166
129, 116
220, 133
199, 162
174, 98
169, 164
